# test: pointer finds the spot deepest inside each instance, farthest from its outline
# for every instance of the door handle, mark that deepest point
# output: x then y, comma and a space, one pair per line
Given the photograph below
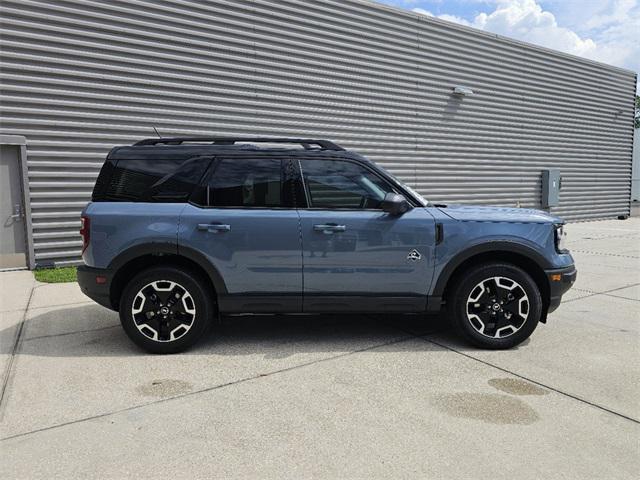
329, 228
17, 212
214, 227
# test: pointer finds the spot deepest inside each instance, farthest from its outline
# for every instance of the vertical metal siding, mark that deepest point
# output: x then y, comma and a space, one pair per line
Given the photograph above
81, 76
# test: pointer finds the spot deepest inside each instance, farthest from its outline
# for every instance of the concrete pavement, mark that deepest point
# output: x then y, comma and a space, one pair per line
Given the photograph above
329, 397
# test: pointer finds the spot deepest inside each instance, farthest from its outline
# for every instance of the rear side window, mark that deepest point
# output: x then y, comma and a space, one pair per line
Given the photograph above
245, 183
149, 180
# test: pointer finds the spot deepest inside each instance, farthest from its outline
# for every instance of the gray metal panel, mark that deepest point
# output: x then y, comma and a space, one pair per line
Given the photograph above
81, 76
551, 182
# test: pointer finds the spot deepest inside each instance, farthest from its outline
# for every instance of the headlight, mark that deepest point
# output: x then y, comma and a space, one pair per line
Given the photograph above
561, 236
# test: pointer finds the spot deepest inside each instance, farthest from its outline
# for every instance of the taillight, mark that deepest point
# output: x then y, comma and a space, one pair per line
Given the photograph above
85, 231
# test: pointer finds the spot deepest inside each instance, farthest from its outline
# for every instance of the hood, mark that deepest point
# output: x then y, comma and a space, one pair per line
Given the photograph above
472, 213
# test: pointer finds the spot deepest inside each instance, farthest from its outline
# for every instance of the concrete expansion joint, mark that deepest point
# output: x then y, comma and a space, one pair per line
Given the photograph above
588, 252
622, 298
535, 382
605, 293
602, 237
522, 377
210, 389
65, 334
9, 370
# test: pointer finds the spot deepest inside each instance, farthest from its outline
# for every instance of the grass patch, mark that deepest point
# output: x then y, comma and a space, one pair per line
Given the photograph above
56, 275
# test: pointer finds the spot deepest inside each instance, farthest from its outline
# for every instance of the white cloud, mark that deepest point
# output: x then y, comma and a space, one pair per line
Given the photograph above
455, 19
526, 20
620, 11
422, 11
444, 16
609, 30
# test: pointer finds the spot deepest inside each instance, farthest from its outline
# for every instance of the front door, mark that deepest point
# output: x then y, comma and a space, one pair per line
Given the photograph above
248, 228
12, 236
357, 257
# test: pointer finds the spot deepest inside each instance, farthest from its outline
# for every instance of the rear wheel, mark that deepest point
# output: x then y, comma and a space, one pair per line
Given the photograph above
495, 305
166, 309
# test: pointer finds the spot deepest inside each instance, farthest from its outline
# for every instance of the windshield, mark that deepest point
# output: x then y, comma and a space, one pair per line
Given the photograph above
419, 197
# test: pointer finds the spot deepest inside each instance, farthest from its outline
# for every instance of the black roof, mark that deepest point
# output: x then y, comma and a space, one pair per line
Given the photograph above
188, 147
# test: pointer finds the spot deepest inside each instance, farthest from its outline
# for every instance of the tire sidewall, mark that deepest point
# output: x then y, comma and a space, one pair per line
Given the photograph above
192, 283
470, 280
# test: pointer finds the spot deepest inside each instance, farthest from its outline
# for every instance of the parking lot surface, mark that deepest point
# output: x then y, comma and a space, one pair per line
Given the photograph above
329, 396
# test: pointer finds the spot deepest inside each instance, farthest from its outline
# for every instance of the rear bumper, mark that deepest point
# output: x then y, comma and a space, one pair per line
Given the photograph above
560, 280
95, 283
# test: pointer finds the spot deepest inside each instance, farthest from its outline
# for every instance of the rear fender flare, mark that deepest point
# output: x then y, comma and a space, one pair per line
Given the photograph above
166, 248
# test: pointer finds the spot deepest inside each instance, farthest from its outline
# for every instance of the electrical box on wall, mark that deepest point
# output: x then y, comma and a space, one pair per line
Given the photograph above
551, 183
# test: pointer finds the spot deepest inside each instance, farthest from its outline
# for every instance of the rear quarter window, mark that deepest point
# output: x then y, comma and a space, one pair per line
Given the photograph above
149, 180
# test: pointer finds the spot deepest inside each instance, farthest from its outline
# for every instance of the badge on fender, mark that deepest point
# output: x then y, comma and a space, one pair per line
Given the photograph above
414, 255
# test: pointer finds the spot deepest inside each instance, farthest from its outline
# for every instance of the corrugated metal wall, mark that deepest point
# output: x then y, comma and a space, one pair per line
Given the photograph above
79, 77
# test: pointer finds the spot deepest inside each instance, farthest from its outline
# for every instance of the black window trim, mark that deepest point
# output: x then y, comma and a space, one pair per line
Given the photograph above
394, 188
215, 162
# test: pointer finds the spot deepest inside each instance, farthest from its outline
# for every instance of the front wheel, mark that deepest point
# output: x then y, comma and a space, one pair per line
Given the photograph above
495, 305
166, 309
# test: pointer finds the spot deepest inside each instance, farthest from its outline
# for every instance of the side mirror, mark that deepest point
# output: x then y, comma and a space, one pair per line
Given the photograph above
395, 204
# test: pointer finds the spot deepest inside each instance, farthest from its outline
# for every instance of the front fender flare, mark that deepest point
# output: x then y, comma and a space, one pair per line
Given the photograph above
497, 246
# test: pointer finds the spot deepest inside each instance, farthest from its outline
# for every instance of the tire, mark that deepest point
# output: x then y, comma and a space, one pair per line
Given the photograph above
166, 309
480, 318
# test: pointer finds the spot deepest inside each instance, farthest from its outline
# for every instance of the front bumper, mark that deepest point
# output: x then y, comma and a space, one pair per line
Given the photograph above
560, 280
95, 283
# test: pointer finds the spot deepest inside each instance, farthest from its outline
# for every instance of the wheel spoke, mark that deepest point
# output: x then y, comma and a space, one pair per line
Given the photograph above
512, 308
150, 294
505, 287
491, 287
175, 295
490, 328
163, 333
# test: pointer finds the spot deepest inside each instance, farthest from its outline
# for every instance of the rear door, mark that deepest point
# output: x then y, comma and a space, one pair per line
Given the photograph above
357, 257
244, 222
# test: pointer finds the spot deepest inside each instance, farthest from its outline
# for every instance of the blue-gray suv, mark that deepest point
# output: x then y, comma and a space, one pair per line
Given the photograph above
182, 230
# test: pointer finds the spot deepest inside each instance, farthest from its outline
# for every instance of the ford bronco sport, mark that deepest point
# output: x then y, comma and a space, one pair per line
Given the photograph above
181, 230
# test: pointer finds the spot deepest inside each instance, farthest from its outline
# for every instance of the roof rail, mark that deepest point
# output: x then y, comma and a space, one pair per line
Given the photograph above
307, 143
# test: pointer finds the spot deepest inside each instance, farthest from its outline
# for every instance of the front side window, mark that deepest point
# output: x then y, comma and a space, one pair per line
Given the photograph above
245, 183
339, 184
415, 194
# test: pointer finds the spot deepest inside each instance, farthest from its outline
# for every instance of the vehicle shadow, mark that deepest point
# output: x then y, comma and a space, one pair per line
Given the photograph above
93, 331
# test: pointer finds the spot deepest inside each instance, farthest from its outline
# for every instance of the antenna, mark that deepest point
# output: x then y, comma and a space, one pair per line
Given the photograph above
156, 130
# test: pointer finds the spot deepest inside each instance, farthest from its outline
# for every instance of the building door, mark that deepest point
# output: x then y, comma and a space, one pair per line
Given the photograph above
12, 236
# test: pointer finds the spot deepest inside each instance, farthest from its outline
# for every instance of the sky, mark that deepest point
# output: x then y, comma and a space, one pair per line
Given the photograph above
604, 30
